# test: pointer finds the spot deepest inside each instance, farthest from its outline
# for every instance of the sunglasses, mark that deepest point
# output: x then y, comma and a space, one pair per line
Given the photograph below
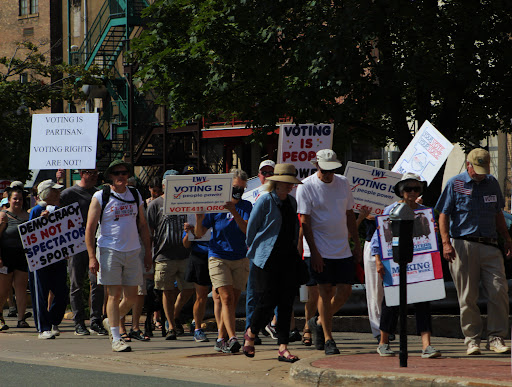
90, 172
267, 173
118, 173
324, 172
410, 189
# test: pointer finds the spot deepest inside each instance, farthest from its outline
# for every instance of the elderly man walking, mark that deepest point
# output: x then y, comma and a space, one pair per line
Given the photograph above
325, 205
470, 219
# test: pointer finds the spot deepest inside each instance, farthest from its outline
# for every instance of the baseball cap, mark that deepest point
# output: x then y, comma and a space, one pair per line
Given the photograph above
267, 163
327, 160
170, 172
3, 202
190, 169
481, 161
44, 187
16, 184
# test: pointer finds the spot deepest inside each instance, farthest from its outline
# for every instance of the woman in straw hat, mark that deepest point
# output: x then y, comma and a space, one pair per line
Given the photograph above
272, 237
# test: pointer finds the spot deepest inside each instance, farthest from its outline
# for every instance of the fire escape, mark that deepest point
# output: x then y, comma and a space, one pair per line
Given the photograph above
131, 125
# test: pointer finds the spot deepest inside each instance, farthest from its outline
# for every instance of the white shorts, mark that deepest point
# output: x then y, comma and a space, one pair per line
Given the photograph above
120, 267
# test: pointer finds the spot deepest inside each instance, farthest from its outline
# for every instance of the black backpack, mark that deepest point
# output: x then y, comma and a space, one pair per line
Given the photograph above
105, 195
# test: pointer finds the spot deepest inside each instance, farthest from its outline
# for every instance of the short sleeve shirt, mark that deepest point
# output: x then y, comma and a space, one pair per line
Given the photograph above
228, 241
471, 206
327, 204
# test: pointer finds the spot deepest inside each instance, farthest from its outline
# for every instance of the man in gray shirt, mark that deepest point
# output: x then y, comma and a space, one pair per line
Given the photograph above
170, 256
81, 193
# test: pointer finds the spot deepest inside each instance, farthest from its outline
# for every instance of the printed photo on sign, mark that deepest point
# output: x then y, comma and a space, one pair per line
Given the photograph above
63, 140
50, 239
192, 194
425, 154
424, 235
371, 187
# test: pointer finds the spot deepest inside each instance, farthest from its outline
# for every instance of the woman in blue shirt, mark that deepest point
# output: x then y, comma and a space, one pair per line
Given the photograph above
272, 237
227, 252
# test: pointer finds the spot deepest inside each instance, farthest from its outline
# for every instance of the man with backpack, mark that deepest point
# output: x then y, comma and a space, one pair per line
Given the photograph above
120, 211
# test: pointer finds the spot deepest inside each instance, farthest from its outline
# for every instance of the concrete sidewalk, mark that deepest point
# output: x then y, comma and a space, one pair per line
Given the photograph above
358, 363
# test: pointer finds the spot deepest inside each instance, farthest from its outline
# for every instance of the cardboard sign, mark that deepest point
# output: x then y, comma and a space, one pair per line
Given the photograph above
192, 194
371, 187
50, 239
424, 235
63, 140
298, 145
425, 154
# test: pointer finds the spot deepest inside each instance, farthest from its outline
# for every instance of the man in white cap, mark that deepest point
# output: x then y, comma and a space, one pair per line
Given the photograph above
471, 216
266, 169
325, 206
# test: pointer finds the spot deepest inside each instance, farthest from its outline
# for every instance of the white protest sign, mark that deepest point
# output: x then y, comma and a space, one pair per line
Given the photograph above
50, 239
63, 140
424, 235
298, 145
194, 194
425, 154
371, 187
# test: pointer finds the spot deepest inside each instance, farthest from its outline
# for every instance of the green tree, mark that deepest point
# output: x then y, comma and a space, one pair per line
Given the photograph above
374, 67
25, 87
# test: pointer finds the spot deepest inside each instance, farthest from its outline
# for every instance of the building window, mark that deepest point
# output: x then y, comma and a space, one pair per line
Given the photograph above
34, 6
28, 7
23, 7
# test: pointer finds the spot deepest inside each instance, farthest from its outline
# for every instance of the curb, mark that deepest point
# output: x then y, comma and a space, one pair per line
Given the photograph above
304, 372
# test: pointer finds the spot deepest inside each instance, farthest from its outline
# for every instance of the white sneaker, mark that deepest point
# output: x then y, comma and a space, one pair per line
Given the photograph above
473, 349
120, 346
55, 330
46, 335
497, 344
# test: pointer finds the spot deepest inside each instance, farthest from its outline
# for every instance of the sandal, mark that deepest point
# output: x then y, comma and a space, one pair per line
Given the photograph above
22, 324
288, 358
248, 349
138, 335
157, 324
307, 341
125, 337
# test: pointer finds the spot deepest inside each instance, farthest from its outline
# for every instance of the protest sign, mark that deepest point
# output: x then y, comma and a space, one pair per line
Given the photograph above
63, 140
424, 274
192, 194
50, 239
424, 235
298, 145
371, 187
253, 189
425, 154
191, 219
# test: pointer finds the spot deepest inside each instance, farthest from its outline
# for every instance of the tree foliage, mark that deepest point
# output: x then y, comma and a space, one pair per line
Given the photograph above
25, 87
373, 67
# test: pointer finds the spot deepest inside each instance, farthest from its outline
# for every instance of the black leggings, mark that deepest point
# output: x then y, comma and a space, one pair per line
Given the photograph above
279, 283
389, 317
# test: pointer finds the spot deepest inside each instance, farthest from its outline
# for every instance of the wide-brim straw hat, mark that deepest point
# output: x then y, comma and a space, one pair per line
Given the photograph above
285, 173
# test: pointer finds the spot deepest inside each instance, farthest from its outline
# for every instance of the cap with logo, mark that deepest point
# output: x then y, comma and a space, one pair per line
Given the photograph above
267, 163
481, 161
190, 169
327, 160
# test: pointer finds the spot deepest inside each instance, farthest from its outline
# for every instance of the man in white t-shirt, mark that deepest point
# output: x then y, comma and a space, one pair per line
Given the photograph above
118, 266
324, 202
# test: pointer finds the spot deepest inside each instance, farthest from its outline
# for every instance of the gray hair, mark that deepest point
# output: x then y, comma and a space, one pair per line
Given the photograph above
269, 185
238, 173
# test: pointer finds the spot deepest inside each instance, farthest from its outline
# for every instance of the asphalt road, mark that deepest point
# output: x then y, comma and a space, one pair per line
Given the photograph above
21, 374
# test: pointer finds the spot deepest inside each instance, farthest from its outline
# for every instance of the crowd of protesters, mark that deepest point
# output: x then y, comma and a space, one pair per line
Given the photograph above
138, 256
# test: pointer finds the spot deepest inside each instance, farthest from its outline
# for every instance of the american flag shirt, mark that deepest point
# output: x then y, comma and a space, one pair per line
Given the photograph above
472, 206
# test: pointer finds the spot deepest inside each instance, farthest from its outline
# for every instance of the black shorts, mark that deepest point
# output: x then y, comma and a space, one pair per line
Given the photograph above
336, 271
197, 270
312, 281
14, 258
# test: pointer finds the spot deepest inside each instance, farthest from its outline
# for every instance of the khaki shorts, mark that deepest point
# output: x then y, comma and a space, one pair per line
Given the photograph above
119, 268
167, 272
224, 272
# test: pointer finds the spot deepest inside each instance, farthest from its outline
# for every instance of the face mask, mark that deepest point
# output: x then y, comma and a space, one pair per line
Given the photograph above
237, 193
